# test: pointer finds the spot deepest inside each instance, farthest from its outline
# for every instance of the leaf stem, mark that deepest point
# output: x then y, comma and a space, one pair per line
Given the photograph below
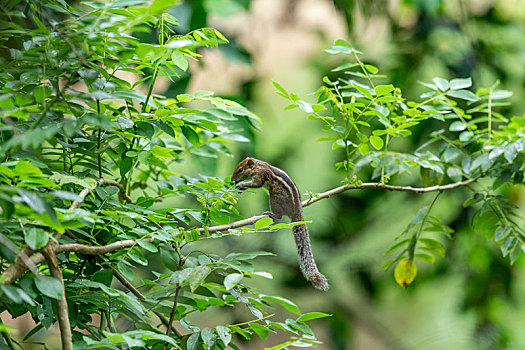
490, 114
417, 234
99, 158
252, 321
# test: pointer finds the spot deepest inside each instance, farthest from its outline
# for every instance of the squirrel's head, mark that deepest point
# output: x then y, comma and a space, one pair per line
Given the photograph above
244, 170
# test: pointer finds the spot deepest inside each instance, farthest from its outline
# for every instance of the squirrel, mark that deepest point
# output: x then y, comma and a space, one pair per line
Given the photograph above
284, 200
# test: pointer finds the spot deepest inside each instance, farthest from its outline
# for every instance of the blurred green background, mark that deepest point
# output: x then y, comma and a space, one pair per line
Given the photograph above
471, 299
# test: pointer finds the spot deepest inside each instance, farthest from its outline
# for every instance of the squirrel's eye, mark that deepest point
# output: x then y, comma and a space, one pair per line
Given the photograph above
240, 170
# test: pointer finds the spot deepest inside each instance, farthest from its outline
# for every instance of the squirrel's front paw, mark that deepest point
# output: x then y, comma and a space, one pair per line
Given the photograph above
270, 214
240, 186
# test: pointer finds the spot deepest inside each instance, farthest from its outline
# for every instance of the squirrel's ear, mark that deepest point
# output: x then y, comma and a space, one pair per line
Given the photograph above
249, 161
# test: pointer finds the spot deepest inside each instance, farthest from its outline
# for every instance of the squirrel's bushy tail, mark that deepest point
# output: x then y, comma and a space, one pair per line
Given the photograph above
306, 258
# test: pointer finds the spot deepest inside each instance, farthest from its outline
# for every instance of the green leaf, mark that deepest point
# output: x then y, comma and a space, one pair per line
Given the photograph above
508, 245
405, 272
482, 162
376, 141
197, 276
36, 238
145, 129
125, 122
16, 295
337, 49
363, 149
457, 84
442, 84
179, 60
420, 215
303, 327
280, 88
190, 135
454, 173
312, 316
464, 95
397, 245
193, 341
501, 233
38, 204
208, 337
66, 179
433, 246
261, 331
383, 89
169, 257
450, 154
247, 256
363, 90
34, 201
232, 279
137, 257
241, 331
345, 66
262, 223
371, 69
501, 94
49, 286
104, 276
457, 126
127, 272
425, 257
290, 306
150, 247
225, 334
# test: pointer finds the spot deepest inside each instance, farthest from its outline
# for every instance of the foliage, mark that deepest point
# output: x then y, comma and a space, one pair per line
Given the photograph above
78, 109
470, 142
91, 161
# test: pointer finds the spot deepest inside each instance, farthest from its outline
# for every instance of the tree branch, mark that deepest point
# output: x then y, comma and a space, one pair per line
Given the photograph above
61, 304
122, 195
27, 258
367, 185
252, 220
14, 271
97, 250
245, 222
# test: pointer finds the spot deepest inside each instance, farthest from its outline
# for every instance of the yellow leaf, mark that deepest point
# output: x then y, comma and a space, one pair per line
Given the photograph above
405, 272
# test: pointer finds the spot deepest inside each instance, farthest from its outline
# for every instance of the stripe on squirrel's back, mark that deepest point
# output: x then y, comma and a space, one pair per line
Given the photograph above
285, 180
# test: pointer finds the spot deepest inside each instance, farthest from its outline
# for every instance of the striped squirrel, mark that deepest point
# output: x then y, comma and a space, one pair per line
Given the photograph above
284, 200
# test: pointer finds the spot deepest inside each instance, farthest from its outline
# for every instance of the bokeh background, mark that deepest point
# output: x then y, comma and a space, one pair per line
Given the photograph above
471, 299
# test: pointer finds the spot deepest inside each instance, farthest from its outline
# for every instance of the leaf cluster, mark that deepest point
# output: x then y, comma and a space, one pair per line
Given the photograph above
369, 123
90, 159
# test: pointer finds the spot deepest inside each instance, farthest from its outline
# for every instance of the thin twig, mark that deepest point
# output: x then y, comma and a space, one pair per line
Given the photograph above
368, 185
14, 271
252, 220
83, 194
245, 222
122, 189
98, 250
99, 157
172, 314
139, 295
61, 304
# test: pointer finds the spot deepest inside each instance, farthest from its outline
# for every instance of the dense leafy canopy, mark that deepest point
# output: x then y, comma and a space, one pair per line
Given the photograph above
89, 175
78, 109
